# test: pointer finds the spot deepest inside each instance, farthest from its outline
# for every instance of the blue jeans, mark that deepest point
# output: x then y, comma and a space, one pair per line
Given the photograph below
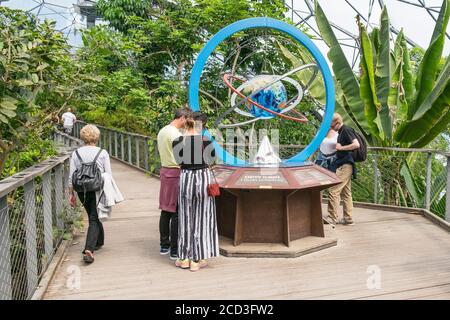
325, 161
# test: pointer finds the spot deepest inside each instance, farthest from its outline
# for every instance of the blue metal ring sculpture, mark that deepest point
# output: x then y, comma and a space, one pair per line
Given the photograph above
299, 36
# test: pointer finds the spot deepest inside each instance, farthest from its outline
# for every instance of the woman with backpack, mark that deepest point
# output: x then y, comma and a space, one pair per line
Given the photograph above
86, 164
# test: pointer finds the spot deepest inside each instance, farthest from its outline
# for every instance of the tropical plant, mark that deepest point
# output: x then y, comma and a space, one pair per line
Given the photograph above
388, 103
29, 62
384, 103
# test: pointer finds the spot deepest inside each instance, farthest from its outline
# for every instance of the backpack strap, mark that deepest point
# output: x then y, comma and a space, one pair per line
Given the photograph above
78, 155
96, 157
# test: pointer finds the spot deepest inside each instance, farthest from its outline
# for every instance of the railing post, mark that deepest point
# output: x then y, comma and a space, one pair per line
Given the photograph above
66, 168
129, 150
59, 196
122, 152
137, 152
146, 154
30, 233
428, 181
110, 142
447, 200
115, 144
100, 144
5, 247
47, 208
155, 146
375, 178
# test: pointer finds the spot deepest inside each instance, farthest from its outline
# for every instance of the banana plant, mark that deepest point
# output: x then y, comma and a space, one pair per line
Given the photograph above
385, 103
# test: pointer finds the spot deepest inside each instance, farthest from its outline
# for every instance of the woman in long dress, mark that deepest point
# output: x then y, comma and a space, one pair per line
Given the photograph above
197, 225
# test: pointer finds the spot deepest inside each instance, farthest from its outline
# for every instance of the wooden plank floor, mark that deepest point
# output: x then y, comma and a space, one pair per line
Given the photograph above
411, 254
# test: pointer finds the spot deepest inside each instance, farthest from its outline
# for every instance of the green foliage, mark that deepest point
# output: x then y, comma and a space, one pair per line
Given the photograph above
145, 65
33, 57
403, 101
31, 151
396, 113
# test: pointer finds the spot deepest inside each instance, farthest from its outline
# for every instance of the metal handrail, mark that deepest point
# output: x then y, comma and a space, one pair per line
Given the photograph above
33, 205
127, 147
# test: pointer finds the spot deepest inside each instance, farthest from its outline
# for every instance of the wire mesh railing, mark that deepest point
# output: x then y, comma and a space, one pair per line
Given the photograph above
134, 149
403, 177
33, 221
416, 178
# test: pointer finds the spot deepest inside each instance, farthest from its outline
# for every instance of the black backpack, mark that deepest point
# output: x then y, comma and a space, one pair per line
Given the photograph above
360, 154
88, 177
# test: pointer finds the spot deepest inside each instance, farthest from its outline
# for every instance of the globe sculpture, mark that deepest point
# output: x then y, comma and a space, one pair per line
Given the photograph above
273, 97
263, 97
266, 199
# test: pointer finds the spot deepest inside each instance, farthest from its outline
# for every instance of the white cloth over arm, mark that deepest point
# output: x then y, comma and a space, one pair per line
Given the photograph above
108, 197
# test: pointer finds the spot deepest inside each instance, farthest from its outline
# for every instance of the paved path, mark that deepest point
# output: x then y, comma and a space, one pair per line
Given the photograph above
409, 253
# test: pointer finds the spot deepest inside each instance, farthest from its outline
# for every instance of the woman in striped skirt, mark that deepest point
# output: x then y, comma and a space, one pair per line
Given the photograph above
197, 226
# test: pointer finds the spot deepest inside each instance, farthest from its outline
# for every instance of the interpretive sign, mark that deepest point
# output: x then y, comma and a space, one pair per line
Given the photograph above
311, 176
222, 174
257, 178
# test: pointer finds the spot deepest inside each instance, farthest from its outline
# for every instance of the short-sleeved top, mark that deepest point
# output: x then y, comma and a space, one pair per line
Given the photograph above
328, 145
69, 118
165, 138
345, 137
193, 152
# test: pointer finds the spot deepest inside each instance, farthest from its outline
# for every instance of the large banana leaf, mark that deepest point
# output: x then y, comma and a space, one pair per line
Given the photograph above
383, 75
432, 114
343, 109
443, 122
375, 38
316, 89
367, 84
395, 101
407, 77
411, 184
342, 70
429, 64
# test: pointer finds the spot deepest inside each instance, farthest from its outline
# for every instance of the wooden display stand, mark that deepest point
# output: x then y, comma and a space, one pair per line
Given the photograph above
272, 212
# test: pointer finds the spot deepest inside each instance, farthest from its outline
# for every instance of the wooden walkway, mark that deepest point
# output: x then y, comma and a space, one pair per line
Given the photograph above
411, 255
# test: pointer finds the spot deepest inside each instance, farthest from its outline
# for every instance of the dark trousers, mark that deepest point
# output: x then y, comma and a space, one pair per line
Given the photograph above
168, 229
95, 235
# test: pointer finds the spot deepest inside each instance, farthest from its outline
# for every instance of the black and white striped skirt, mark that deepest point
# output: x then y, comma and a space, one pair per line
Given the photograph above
197, 225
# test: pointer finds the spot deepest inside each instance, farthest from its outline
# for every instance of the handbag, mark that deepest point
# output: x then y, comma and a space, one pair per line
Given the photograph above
213, 188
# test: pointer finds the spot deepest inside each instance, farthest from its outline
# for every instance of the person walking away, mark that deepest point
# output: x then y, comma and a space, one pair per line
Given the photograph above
344, 166
198, 236
170, 182
95, 238
327, 150
69, 119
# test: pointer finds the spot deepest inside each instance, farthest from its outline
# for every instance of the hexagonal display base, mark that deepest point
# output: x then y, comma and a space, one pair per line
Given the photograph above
296, 248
